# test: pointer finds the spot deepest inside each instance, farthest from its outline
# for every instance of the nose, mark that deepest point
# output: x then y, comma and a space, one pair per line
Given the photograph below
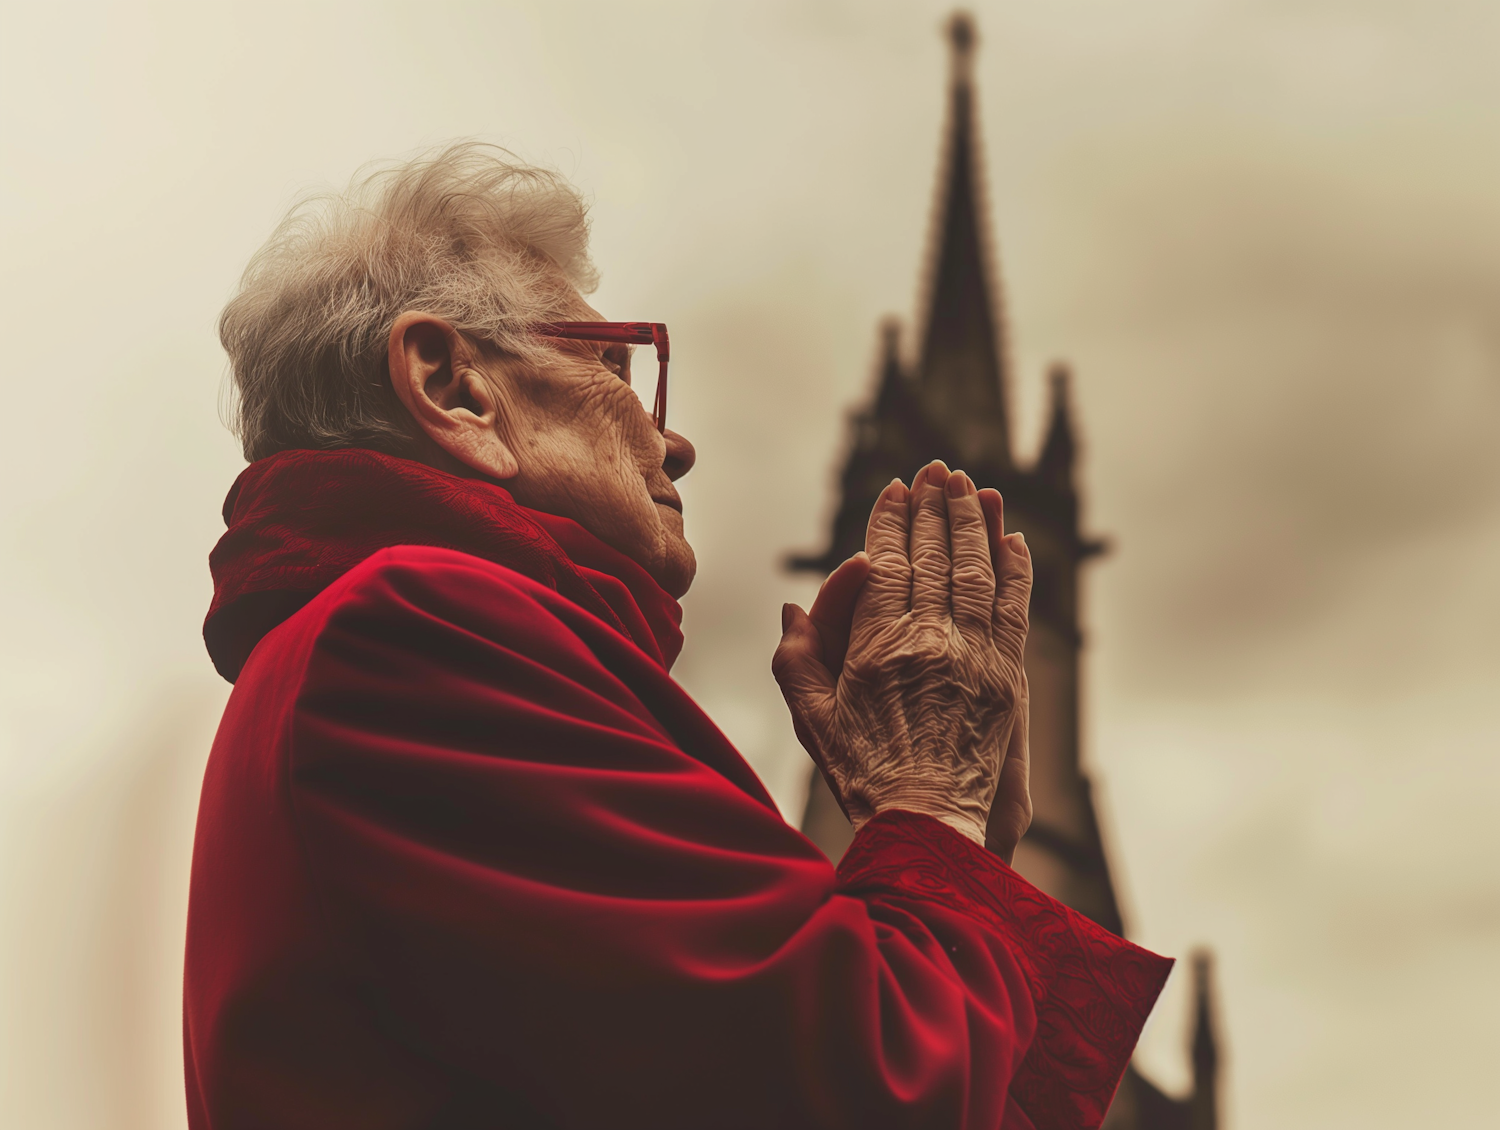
680, 455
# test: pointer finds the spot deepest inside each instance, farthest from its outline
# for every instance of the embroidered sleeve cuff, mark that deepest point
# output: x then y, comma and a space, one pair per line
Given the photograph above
1092, 990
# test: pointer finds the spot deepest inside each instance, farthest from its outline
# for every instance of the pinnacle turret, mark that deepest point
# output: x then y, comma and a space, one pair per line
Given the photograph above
1205, 1098
963, 37
1055, 464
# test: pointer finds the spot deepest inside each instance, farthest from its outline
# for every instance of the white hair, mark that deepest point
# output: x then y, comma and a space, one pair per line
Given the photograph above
468, 233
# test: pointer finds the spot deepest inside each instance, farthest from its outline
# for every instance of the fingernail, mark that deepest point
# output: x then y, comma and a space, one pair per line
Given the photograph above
898, 490
959, 485
786, 618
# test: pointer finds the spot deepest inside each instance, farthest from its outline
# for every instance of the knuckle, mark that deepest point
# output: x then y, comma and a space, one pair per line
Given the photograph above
972, 614
889, 575
1013, 618
928, 551
971, 574
928, 637
965, 517
1011, 591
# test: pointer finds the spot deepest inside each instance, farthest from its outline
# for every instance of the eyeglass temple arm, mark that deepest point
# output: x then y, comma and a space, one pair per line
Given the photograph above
663, 352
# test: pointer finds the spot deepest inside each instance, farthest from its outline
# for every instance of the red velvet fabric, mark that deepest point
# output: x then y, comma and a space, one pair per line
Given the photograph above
299, 520
467, 857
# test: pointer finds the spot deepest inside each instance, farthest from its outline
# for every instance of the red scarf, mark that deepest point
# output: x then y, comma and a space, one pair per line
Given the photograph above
299, 520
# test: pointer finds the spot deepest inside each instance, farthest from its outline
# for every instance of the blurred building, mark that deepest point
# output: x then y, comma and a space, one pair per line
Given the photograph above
948, 401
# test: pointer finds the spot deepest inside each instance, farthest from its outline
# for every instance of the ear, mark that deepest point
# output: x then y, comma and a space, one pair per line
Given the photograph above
435, 375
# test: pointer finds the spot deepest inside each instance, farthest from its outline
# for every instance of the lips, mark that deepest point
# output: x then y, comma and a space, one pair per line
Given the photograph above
674, 502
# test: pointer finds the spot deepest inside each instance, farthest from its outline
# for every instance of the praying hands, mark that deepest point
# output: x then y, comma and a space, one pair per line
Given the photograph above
906, 681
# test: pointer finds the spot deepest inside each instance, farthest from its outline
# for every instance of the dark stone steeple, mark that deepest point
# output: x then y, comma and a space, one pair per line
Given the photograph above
952, 405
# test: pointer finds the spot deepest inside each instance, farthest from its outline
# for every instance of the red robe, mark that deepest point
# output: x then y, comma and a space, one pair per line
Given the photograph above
467, 857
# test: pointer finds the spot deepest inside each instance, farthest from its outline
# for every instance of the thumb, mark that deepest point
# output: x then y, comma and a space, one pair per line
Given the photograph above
808, 687
798, 667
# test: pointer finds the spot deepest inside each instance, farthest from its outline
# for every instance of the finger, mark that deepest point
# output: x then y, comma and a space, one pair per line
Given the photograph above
833, 611
930, 567
994, 522
1013, 596
887, 593
973, 583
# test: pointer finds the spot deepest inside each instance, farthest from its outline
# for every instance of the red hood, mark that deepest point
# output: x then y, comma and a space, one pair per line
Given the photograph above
299, 520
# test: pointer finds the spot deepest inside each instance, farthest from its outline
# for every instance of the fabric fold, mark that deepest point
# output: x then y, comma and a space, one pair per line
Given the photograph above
1092, 990
299, 520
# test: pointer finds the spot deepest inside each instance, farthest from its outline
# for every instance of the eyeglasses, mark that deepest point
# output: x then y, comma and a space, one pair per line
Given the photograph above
629, 333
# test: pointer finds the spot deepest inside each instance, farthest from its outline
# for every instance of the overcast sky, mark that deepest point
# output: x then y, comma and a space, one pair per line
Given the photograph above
1266, 235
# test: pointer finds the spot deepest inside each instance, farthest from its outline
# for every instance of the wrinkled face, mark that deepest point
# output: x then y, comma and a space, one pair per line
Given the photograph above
588, 450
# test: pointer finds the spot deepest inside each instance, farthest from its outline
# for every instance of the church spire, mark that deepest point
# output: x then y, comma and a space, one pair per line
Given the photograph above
963, 353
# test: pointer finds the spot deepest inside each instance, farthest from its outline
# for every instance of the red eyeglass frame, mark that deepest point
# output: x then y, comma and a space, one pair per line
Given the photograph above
628, 333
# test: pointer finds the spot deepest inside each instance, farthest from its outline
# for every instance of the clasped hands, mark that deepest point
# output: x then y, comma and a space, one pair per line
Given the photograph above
906, 681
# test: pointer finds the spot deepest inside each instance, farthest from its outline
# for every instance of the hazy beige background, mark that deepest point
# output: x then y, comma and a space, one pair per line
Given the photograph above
1267, 234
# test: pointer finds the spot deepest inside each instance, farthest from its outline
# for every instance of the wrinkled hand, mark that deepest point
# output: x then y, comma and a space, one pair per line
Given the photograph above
906, 682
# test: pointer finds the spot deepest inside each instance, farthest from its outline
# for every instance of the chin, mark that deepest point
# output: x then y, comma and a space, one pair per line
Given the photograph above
678, 570
677, 564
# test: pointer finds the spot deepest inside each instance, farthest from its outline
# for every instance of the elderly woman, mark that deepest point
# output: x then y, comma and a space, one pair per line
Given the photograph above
467, 857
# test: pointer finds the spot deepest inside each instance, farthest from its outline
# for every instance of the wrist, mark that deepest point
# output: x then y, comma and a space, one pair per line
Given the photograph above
963, 820
964, 826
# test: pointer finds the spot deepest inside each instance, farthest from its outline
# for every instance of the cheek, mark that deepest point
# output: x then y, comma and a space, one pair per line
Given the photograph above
612, 457
631, 440
618, 437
